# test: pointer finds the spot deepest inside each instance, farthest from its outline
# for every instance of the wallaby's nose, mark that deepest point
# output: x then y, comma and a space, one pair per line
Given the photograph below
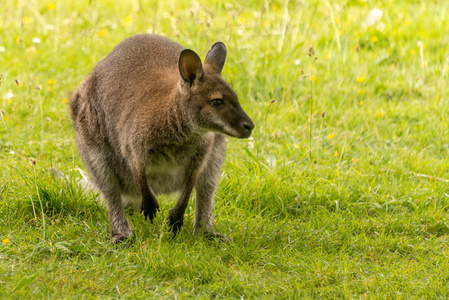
248, 126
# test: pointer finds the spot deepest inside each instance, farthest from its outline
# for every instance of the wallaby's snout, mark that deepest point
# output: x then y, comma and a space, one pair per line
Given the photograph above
246, 126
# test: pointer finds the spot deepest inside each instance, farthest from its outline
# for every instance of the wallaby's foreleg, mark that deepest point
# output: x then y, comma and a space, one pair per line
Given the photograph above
175, 217
149, 205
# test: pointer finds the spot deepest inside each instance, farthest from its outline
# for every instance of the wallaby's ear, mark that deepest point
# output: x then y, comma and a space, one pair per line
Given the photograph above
216, 57
190, 66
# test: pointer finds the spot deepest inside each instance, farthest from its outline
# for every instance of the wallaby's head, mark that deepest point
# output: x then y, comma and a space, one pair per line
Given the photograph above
213, 103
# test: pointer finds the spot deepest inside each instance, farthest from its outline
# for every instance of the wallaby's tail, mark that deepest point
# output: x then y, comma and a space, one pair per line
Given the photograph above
84, 182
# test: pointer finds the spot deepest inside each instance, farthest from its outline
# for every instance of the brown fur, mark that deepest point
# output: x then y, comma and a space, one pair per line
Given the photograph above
146, 123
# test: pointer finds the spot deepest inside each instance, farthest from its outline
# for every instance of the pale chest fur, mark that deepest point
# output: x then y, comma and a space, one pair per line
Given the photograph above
168, 167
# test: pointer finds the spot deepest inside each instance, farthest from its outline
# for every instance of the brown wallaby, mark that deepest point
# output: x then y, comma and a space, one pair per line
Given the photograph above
150, 119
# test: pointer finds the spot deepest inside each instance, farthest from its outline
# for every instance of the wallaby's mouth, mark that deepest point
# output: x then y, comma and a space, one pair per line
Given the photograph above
243, 130
247, 130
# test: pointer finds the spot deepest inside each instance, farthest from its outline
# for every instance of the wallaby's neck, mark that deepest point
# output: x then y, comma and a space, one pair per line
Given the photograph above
180, 120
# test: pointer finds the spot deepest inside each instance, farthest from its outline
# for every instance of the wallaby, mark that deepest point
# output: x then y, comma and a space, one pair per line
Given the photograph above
149, 119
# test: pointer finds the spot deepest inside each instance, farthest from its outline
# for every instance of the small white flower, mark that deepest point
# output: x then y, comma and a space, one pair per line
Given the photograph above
2, 49
271, 160
12, 152
296, 62
36, 40
373, 17
8, 95
250, 143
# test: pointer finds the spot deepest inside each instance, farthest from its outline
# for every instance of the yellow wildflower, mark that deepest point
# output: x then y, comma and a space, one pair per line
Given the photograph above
374, 39
6, 241
313, 77
128, 20
361, 103
360, 79
102, 32
380, 114
331, 136
51, 81
336, 154
31, 50
26, 20
50, 6
65, 100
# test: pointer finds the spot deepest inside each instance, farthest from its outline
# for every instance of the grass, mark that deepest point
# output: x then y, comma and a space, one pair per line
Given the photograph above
358, 221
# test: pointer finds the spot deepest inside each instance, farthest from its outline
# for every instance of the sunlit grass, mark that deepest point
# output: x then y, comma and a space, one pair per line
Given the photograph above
355, 208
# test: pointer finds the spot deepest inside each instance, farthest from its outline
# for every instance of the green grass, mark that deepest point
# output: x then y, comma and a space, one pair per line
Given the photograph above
358, 221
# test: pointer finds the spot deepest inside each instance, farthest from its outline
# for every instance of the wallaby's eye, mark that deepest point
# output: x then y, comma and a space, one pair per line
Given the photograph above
217, 103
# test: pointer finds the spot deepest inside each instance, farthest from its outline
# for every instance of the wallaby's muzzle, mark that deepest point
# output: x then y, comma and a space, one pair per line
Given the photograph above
247, 127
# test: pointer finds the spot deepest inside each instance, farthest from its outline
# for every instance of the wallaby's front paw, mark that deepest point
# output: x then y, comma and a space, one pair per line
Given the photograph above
175, 222
149, 209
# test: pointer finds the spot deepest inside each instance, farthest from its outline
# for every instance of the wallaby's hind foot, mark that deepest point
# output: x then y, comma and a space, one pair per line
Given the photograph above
123, 242
214, 236
218, 237
121, 236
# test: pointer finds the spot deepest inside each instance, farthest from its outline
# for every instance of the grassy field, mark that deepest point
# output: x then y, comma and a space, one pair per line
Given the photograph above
342, 193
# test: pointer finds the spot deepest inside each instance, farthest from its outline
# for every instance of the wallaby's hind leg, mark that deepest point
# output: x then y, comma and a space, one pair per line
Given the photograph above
119, 225
205, 189
102, 175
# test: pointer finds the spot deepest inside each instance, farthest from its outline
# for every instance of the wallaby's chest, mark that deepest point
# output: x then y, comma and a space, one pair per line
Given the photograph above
168, 166
171, 158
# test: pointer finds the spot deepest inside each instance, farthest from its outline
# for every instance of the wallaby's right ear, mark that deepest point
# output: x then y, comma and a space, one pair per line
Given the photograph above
190, 66
216, 57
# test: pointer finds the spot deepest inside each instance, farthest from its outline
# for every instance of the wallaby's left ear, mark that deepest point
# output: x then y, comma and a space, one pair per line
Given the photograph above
190, 67
216, 57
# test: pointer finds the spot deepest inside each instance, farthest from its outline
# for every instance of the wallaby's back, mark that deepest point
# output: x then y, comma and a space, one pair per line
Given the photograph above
141, 68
